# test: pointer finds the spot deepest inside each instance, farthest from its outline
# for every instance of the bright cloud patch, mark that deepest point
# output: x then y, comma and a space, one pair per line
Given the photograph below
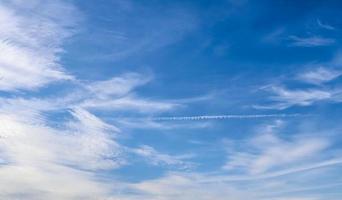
30, 43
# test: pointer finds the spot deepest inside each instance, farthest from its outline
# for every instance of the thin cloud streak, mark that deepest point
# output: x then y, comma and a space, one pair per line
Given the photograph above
313, 41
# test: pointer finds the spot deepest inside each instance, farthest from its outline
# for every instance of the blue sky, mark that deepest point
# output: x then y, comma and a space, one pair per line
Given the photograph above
163, 100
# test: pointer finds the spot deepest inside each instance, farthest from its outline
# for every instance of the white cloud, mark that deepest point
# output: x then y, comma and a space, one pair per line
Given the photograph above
157, 158
93, 143
266, 151
285, 153
284, 98
49, 181
30, 43
115, 94
117, 86
300, 97
319, 75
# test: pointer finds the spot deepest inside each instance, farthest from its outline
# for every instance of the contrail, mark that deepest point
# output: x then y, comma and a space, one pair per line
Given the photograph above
216, 117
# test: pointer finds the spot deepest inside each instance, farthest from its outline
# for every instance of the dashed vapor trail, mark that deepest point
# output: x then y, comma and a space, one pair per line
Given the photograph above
213, 117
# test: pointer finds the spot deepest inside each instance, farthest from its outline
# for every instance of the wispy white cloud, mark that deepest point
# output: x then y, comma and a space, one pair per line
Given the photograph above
319, 75
158, 158
94, 142
284, 98
115, 94
30, 42
266, 151
117, 86
312, 41
324, 26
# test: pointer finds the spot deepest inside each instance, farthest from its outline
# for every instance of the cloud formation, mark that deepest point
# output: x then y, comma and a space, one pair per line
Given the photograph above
30, 43
319, 75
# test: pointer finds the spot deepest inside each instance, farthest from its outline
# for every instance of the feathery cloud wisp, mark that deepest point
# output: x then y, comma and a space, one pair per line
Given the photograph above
273, 152
31, 43
319, 75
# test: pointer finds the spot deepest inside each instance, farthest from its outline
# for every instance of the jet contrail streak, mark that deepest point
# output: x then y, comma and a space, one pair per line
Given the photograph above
207, 117
217, 117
